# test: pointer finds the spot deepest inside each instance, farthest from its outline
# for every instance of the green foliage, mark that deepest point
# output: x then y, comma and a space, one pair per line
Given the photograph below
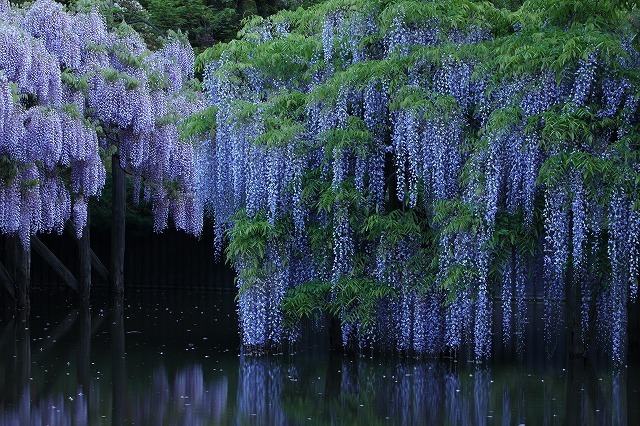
555, 50
427, 103
394, 226
354, 136
452, 14
249, 238
356, 300
352, 299
570, 14
75, 81
198, 126
307, 301
8, 170
455, 216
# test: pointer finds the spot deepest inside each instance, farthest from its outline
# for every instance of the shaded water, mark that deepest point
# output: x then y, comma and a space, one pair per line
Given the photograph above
173, 359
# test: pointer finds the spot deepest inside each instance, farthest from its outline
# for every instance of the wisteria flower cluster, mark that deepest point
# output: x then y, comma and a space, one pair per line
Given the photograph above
69, 86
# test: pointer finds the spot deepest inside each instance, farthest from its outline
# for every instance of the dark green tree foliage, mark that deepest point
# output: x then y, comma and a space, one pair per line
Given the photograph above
397, 164
205, 21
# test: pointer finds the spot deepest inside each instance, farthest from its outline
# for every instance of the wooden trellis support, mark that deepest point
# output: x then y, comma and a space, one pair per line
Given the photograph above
7, 281
55, 263
16, 276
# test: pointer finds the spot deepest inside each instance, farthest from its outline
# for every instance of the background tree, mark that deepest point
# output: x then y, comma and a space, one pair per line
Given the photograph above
206, 22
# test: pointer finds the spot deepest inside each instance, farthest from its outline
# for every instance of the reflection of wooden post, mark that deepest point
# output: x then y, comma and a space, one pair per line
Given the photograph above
333, 378
23, 352
576, 383
84, 354
84, 251
118, 192
118, 359
633, 414
19, 266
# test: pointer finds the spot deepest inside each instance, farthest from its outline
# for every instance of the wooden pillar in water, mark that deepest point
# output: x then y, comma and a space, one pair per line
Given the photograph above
84, 249
118, 192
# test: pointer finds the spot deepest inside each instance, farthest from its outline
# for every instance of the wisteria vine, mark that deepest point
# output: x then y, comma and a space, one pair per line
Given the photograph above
409, 162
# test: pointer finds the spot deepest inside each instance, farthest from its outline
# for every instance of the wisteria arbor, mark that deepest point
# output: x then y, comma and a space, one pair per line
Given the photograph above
398, 164
72, 89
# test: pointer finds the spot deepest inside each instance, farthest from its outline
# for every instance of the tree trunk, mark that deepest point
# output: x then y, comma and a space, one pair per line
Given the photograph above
84, 249
335, 334
575, 341
118, 191
240, 8
634, 324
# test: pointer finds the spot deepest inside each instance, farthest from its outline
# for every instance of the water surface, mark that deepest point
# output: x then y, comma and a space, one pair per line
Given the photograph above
174, 359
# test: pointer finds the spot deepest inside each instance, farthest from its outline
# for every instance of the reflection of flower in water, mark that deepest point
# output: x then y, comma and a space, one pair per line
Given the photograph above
190, 401
481, 395
51, 410
273, 390
431, 393
259, 390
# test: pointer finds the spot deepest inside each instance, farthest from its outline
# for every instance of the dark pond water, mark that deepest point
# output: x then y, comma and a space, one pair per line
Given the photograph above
173, 359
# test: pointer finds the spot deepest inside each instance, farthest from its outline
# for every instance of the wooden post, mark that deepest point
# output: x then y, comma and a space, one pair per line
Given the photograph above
84, 252
118, 192
96, 263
